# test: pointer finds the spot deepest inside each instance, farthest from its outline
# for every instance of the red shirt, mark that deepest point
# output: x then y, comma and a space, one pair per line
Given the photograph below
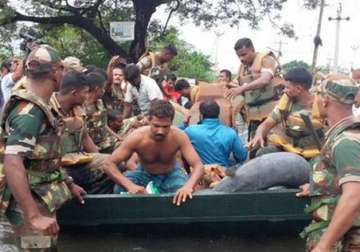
170, 93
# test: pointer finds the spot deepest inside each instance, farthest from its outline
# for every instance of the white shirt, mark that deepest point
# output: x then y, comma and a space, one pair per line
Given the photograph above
7, 83
148, 91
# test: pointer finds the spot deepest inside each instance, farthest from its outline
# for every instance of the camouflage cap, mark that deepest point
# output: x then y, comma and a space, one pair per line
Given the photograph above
73, 63
340, 90
42, 59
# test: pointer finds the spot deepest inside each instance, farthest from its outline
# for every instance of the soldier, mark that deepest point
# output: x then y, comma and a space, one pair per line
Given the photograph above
32, 186
255, 77
116, 86
335, 178
289, 131
81, 159
97, 120
73, 64
155, 65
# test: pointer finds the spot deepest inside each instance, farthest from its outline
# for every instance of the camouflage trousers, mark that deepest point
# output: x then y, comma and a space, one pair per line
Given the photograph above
27, 239
90, 176
349, 243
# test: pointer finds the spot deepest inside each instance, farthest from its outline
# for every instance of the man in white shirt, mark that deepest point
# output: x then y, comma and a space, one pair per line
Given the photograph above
9, 80
142, 89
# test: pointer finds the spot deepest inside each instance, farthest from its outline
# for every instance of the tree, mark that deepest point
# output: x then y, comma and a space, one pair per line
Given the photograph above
295, 64
93, 16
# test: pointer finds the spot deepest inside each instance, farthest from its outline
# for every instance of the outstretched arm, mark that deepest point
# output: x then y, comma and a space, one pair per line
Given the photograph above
122, 153
193, 159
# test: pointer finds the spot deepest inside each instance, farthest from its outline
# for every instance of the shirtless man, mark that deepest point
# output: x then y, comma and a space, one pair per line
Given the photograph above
156, 146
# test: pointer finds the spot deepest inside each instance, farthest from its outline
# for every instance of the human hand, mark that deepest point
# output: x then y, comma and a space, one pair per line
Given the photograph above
182, 194
136, 189
187, 119
44, 225
304, 190
258, 140
232, 92
78, 192
232, 84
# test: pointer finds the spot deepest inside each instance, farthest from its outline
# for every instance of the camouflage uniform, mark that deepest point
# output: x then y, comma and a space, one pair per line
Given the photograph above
85, 168
114, 99
31, 131
260, 102
290, 133
338, 164
96, 121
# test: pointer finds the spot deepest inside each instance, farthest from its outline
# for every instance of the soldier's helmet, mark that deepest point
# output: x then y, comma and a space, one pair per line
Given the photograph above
341, 90
73, 63
42, 59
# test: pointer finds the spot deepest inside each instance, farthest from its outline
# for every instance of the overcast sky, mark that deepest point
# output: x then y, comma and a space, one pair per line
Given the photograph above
304, 21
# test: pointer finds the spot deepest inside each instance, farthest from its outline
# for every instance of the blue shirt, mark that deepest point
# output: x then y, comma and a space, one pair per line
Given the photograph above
214, 142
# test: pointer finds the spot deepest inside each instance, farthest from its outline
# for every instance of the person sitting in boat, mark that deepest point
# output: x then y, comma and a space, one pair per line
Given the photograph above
289, 130
214, 141
124, 127
80, 159
96, 113
116, 86
156, 146
142, 89
168, 88
188, 92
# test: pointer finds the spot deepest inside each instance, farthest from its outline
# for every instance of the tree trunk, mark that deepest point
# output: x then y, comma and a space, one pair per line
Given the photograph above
143, 13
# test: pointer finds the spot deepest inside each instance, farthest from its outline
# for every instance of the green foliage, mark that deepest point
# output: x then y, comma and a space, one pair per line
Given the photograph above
188, 63
72, 41
294, 64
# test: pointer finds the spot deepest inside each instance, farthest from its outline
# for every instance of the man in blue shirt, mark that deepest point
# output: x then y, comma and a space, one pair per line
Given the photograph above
213, 141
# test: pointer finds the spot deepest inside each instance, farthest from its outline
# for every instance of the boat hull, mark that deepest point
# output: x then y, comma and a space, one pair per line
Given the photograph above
121, 212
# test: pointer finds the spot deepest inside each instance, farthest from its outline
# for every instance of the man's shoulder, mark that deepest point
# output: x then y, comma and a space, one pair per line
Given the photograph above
148, 81
27, 109
347, 139
269, 60
193, 128
227, 129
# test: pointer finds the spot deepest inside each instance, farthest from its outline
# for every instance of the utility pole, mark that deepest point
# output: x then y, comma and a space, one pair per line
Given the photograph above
218, 34
317, 39
338, 19
279, 51
354, 48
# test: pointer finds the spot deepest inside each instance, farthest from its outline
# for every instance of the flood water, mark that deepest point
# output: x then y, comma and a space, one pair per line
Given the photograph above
101, 241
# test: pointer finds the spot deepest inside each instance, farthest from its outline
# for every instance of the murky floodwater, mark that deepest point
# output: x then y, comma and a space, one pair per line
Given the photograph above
101, 241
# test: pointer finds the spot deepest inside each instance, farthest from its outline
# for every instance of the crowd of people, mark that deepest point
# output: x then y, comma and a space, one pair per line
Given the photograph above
68, 130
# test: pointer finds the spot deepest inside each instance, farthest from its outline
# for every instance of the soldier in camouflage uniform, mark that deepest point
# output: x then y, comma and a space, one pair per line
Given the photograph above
81, 159
96, 114
115, 90
32, 186
289, 133
335, 178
